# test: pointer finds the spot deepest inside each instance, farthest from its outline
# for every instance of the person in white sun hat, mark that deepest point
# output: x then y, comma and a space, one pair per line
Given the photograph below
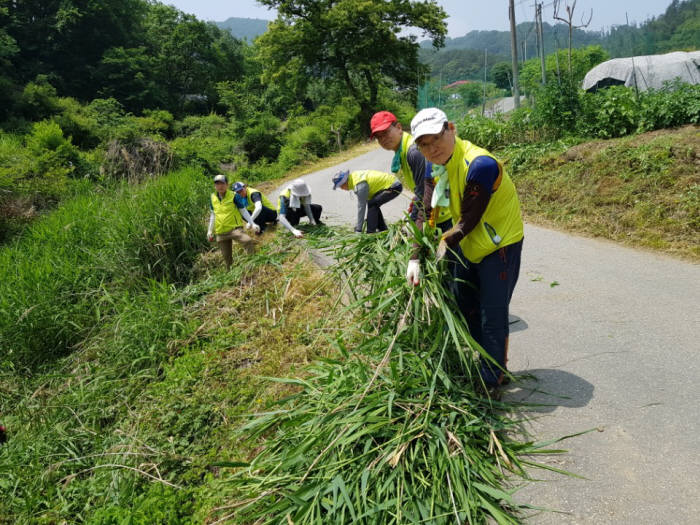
294, 202
487, 227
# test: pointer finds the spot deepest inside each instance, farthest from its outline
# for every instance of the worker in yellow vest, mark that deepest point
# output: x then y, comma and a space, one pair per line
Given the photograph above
227, 221
409, 166
293, 203
373, 189
487, 227
258, 205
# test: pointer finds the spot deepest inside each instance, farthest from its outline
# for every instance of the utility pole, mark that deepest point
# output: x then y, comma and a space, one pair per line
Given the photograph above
540, 38
483, 100
514, 53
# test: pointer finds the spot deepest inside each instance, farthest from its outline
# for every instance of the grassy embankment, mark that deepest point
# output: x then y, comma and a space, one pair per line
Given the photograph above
641, 190
128, 355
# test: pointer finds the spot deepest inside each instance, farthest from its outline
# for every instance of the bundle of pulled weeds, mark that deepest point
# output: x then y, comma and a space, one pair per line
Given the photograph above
397, 429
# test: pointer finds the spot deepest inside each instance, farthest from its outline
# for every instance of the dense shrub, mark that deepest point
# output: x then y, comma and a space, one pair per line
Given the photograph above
39, 99
565, 110
136, 159
54, 155
676, 104
261, 137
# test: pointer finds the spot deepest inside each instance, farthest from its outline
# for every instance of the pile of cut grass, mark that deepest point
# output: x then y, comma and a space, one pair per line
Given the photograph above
397, 428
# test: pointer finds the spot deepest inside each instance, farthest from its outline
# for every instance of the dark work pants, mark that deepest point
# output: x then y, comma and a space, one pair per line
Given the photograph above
484, 300
294, 214
266, 216
375, 219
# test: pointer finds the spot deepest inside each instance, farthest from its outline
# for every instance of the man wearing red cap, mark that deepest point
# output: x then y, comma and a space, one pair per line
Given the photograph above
415, 172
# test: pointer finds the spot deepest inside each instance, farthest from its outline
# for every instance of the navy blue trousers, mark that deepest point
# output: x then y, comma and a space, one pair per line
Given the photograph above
483, 298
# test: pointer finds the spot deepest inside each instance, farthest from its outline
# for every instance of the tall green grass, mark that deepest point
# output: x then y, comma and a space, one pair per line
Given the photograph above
57, 278
119, 431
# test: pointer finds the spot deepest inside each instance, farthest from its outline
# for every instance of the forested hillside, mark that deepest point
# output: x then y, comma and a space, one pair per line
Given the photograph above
244, 28
463, 57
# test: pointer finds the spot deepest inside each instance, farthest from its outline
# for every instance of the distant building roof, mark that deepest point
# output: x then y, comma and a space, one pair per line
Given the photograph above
457, 83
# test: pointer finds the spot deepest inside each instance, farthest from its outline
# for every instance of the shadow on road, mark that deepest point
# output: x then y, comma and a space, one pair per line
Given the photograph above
543, 390
516, 324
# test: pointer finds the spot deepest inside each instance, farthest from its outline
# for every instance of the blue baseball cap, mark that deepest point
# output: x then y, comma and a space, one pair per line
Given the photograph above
238, 186
340, 178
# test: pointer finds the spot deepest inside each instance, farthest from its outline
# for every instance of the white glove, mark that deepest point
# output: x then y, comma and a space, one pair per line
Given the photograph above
413, 272
253, 226
297, 233
210, 236
441, 251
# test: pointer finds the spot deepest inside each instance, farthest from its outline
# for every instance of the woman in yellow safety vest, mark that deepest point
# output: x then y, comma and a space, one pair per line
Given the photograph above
258, 205
373, 189
293, 203
487, 227
226, 220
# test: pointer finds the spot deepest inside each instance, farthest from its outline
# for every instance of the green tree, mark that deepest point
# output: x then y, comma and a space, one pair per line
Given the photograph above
471, 94
355, 42
66, 39
502, 75
8, 48
582, 60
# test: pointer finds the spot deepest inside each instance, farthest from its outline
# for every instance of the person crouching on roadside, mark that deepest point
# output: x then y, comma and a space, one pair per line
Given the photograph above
373, 189
487, 227
226, 220
260, 208
294, 202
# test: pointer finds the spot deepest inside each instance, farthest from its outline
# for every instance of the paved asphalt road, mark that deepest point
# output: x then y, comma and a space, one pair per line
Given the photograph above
614, 347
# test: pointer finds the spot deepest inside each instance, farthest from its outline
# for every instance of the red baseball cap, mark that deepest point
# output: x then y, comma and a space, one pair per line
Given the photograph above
381, 121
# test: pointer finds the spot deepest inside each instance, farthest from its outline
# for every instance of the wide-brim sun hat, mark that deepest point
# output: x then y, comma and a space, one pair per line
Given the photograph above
299, 188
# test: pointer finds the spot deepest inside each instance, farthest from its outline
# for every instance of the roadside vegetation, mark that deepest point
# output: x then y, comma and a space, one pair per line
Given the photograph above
618, 163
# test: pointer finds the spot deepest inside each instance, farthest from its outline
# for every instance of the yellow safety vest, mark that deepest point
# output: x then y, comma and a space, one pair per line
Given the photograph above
251, 204
226, 214
377, 180
286, 193
405, 175
501, 219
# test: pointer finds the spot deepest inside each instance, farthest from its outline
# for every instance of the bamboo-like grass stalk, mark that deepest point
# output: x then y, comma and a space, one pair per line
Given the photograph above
398, 429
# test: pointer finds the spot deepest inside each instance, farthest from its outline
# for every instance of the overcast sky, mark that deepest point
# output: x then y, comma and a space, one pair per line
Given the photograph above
464, 15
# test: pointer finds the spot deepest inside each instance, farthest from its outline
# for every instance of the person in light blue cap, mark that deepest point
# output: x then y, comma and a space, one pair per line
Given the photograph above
261, 210
373, 189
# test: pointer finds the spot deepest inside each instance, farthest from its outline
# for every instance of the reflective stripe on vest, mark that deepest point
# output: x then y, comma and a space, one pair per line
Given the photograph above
251, 204
226, 214
501, 223
377, 180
